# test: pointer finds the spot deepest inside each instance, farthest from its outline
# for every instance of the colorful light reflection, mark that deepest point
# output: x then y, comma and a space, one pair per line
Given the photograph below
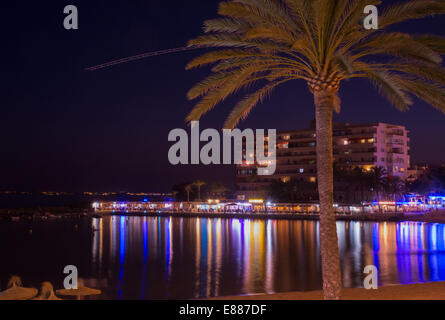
196, 258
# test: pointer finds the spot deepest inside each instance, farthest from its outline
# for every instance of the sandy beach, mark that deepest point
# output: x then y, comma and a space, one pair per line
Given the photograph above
421, 291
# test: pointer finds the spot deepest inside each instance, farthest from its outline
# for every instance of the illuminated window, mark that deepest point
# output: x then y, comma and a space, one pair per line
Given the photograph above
301, 170
285, 179
313, 179
371, 140
363, 141
346, 142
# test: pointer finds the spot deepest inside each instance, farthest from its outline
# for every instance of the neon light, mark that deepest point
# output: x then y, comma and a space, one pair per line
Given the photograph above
387, 203
242, 204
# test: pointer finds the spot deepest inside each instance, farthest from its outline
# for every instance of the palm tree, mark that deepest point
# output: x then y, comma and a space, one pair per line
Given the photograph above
187, 189
394, 187
218, 189
199, 184
377, 178
322, 42
361, 180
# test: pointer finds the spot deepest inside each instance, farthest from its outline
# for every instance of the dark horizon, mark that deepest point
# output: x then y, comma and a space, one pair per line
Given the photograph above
67, 129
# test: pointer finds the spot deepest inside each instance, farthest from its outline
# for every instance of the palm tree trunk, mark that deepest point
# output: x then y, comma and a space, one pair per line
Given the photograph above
328, 230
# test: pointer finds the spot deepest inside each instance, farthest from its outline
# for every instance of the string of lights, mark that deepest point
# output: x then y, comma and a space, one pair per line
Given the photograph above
139, 57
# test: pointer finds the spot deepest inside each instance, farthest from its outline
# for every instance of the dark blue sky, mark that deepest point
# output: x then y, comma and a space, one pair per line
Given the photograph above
63, 128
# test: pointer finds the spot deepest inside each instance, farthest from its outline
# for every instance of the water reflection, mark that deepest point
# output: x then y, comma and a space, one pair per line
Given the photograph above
158, 258
185, 258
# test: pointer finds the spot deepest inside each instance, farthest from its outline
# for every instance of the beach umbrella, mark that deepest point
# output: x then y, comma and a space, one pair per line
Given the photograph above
81, 291
15, 290
47, 292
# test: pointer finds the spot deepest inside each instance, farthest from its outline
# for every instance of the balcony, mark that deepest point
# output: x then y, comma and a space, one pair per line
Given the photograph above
349, 133
395, 132
300, 154
396, 150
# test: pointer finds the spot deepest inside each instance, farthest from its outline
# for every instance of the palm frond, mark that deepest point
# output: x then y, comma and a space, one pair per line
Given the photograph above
321, 42
273, 10
226, 25
207, 84
433, 94
409, 10
215, 56
397, 44
270, 33
343, 63
389, 86
231, 84
434, 42
430, 73
232, 41
243, 108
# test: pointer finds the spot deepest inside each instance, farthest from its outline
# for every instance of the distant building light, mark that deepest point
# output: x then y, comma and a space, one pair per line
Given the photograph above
256, 201
242, 204
388, 203
285, 179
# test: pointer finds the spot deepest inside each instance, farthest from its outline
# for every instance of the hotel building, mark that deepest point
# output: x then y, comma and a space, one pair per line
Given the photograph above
364, 146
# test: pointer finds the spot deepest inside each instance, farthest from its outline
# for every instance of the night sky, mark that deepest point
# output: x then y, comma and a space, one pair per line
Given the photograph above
64, 128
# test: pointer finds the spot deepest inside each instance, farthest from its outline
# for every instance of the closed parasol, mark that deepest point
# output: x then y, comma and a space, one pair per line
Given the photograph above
80, 291
15, 290
47, 292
